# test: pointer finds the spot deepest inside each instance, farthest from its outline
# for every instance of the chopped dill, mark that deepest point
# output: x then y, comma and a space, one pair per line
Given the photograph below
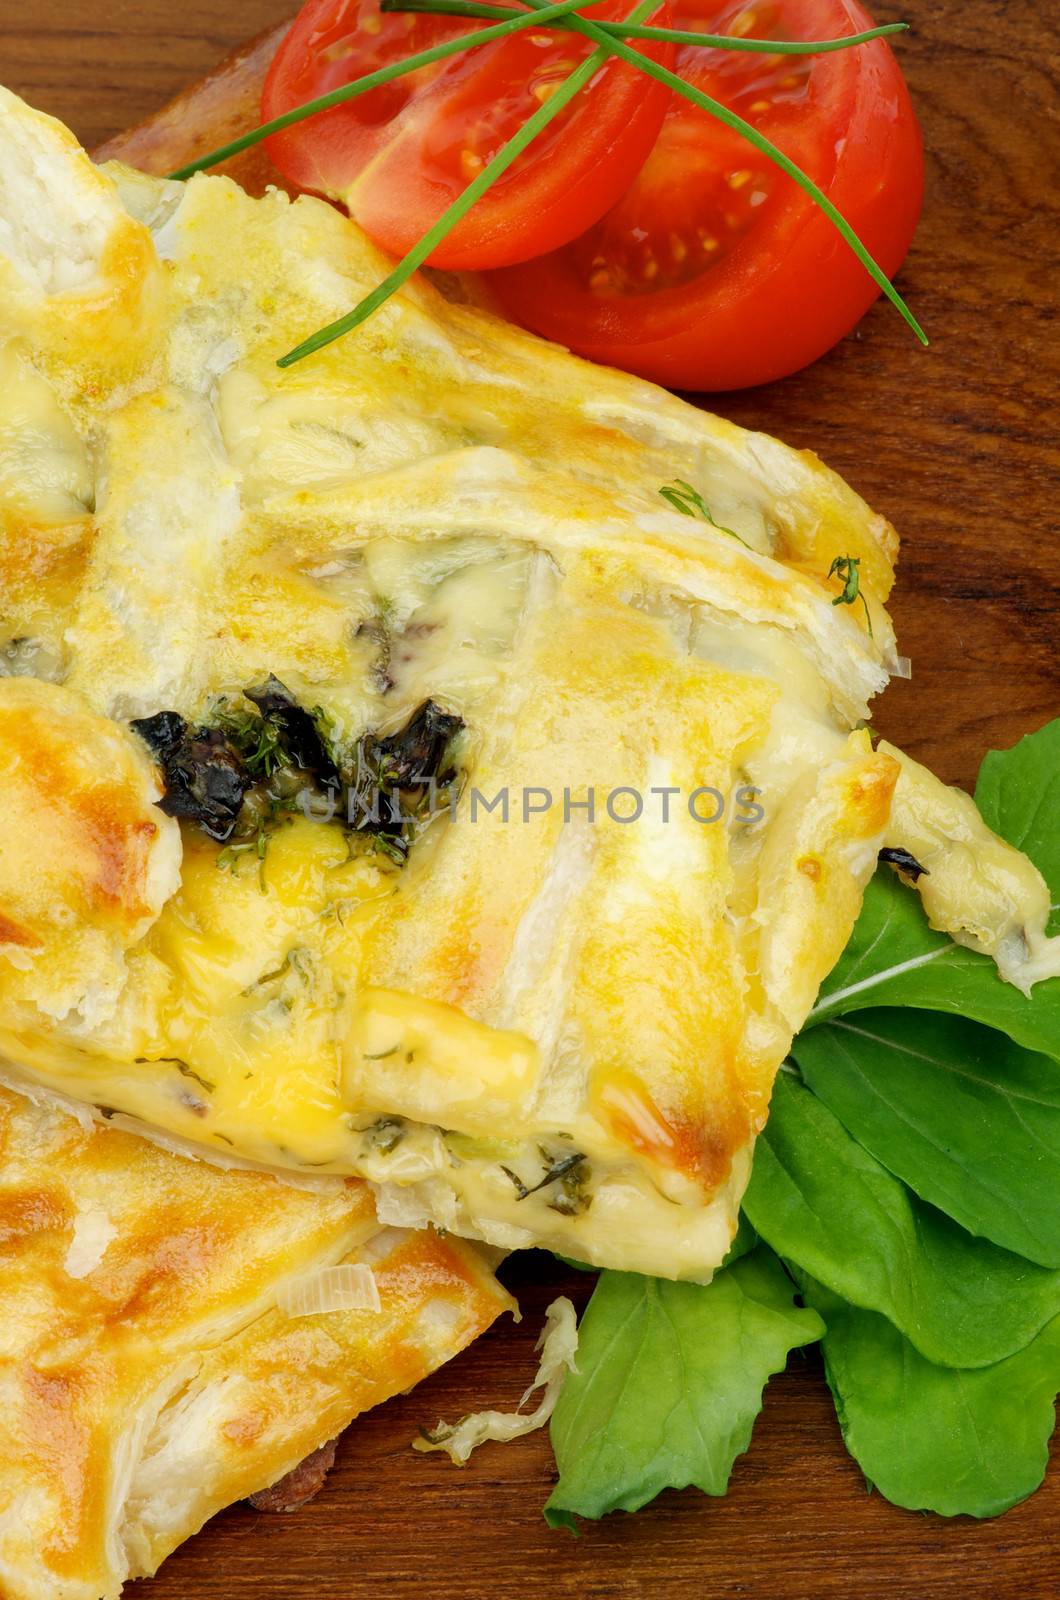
384, 1135
258, 739
570, 1172
181, 1066
847, 570
684, 498
297, 960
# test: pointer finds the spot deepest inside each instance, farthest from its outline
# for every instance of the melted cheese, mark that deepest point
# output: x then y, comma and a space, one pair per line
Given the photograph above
86, 859
553, 1025
977, 888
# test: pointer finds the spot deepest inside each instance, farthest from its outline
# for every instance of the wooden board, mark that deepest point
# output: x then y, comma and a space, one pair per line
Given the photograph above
959, 447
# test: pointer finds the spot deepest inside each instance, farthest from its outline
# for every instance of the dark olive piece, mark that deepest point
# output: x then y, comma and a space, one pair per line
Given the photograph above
414, 754
301, 736
906, 864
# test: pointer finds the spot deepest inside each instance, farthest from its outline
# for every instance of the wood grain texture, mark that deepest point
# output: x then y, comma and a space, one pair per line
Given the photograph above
959, 447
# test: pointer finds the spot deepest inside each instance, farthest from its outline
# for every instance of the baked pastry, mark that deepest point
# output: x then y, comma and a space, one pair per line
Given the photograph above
150, 1376
522, 808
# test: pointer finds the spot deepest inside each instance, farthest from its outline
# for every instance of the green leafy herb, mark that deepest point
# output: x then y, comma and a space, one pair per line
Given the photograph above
514, 22
258, 739
931, 1438
943, 1305
1018, 793
669, 1382
744, 1241
297, 960
608, 43
384, 1135
691, 503
826, 1204
763, 145
848, 570
969, 1120
569, 1171
894, 959
181, 1066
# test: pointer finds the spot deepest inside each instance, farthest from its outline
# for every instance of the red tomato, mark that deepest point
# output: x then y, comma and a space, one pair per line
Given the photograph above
715, 270
401, 154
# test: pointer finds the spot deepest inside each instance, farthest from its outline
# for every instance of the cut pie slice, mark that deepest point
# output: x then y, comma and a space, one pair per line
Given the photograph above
393, 780
150, 1376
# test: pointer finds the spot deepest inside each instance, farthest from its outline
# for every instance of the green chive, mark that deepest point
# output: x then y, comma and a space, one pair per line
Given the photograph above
493, 170
629, 30
516, 21
684, 498
764, 146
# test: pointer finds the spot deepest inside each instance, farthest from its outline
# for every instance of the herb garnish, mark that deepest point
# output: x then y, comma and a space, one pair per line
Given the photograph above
847, 570
384, 1135
258, 844
181, 1066
630, 30
398, 776
257, 739
250, 771
691, 503
558, 1172
303, 735
608, 43
298, 960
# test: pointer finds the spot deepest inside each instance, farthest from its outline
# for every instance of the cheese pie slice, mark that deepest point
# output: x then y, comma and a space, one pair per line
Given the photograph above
393, 781
149, 1375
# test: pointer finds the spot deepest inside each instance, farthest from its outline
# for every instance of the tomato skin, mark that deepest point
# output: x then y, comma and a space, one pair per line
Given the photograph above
399, 156
791, 288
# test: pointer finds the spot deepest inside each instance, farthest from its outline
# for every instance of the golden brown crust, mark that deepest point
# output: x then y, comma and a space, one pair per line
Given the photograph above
103, 858
484, 512
148, 1378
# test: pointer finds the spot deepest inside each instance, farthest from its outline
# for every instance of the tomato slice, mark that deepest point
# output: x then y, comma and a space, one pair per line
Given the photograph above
399, 155
715, 270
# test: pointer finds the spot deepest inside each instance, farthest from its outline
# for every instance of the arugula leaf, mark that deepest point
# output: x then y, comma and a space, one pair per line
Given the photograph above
1018, 793
669, 1382
829, 1206
944, 1353
744, 1241
894, 958
961, 1114
933, 1438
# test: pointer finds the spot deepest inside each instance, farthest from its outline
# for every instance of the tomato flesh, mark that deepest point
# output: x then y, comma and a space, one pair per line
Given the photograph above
399, 155
715, 270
